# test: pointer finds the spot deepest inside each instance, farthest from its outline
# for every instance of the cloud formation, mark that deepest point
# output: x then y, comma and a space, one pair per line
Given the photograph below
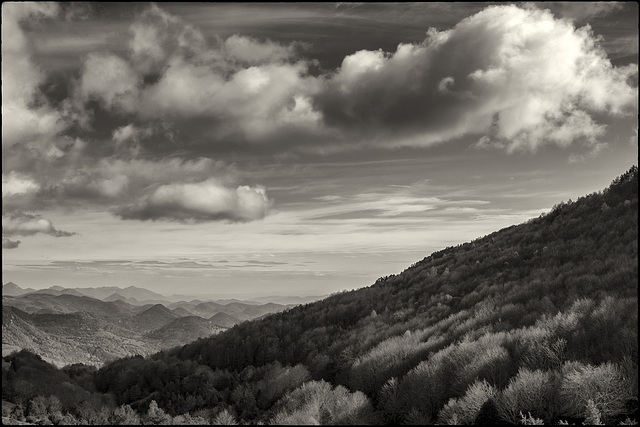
21, 224
518, 77
202, 201
16, 184
26, 115
243, 86
137, 129
10, 244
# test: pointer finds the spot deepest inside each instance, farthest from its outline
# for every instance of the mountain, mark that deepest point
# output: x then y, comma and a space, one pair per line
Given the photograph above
11, 289
65, 328
224, 320
181, 311
206, 309
288, 300
184, 329
261, 310
154, 317
57, 290
67, 338
533, 323
134, 292
65, 303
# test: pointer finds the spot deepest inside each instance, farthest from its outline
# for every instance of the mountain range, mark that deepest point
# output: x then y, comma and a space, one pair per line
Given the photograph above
66, 326
140, 296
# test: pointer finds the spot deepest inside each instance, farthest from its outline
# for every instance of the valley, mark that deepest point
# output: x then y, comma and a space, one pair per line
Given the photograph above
96, 325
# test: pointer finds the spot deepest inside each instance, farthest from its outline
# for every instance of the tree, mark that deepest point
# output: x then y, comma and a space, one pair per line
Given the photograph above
604, 385
37, 409
529, 391
124, 415
224, 418
465, 410
156, 415
390, 403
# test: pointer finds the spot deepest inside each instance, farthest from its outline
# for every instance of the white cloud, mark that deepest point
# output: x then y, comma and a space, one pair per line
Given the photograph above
520, 76
22, 120
110, 79
244, 86
253, 51
158, 36
202, 201
17, 184
22, 224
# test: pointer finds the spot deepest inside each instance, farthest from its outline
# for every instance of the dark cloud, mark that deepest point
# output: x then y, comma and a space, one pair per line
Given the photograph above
10, 244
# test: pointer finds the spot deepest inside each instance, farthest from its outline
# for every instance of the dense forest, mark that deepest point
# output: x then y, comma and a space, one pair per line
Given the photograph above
536, 323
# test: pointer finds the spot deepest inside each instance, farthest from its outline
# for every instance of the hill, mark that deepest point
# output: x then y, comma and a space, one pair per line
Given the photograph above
154, 317
11, 289
533, 323
184, 329
105, 330
225, 320
67, 338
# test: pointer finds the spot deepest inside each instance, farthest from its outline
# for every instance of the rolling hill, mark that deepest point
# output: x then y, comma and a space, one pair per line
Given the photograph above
184, 329
225, 320
65, 328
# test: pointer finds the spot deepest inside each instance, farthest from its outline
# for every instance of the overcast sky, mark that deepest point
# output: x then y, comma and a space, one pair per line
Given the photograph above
297, 148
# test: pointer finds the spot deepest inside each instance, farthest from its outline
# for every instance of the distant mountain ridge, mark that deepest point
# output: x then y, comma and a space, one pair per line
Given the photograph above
65, 326
131, 292
140, 296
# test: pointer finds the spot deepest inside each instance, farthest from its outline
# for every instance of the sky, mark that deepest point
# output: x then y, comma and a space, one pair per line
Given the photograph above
240, 149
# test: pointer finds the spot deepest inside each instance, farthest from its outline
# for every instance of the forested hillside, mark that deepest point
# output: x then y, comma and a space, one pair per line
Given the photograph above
535, 322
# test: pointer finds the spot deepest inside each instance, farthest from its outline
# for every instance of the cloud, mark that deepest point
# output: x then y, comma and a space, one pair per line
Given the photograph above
110, 79
22, 224
509, 77
202, 201
581, 11
252, 51
10, 244
135, 188
128, 139
17, 184
122, 181
241, 86
26, 115
519, 76
158, 36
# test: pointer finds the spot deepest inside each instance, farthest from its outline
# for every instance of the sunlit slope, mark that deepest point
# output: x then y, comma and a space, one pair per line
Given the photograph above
560, 288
